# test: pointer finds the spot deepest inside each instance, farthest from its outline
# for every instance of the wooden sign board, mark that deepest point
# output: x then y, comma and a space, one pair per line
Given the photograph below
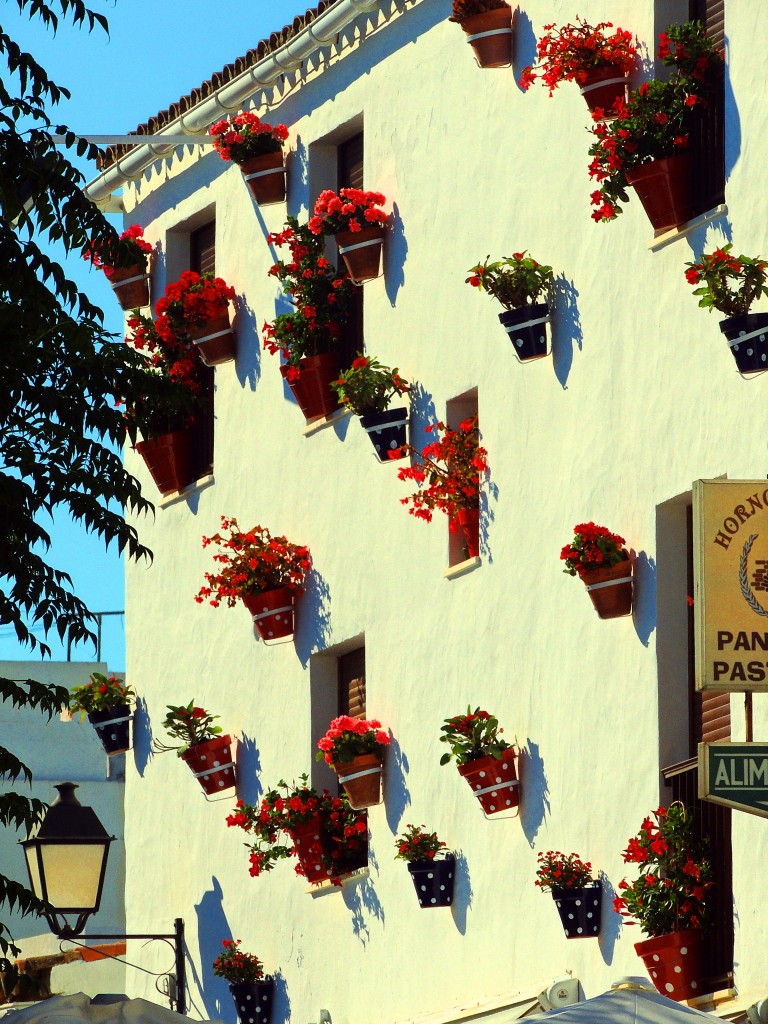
735, 774
730, 544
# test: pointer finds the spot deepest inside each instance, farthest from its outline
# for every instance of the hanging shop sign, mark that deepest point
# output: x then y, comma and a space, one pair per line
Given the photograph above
730, 540
735, 774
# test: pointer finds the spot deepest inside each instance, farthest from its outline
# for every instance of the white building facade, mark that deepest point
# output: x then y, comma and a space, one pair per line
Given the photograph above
639, 398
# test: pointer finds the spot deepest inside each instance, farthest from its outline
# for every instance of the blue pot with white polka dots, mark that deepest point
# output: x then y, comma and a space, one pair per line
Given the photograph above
433, 881
747, 338
527, 330
579, 910
386, 431
253, 1001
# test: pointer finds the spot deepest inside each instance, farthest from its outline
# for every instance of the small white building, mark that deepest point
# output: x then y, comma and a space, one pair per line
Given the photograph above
639, 399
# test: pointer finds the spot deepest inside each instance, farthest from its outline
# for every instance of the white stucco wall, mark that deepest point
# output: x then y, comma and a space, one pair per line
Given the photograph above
640, 398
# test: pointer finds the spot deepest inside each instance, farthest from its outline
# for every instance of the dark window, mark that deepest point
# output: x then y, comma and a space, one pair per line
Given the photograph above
202, 258
708, 127
352, 683
349, 174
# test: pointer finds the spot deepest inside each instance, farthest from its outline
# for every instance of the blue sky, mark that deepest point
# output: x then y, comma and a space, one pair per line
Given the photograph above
156, 51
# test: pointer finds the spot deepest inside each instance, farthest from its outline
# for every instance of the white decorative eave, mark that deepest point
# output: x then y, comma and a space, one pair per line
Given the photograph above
227, 99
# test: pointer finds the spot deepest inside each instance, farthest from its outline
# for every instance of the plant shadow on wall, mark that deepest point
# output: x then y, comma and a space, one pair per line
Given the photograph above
525, 51
423, 414
462, 893
249, 787
610, 924
142, 736
362, 900
644, 596
398, 797
566, 326
534, 803
487, 515
246, 328
212, 929
314, 617
395, 255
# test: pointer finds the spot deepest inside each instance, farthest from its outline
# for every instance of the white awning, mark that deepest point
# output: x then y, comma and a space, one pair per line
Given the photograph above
502, 1009
78, 1009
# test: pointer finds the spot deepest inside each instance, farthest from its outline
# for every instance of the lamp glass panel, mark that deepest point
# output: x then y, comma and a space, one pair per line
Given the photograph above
72, 873
30, 853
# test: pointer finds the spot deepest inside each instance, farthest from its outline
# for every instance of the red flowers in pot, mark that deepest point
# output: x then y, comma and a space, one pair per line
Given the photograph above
202, 747
252, 990
578, 897
354, 748
517, 281
485, 760
130, 276
265, 572
257, 148
488, 27
367, 388
106, 700
356, 219
600, 560
432, 869
198, 305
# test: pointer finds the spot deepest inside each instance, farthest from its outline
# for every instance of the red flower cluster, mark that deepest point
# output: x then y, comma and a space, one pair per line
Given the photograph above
169, 351
448, 472
237, 967
351, 210
560, 871
250, 563
193, 299
135, 250
417, 845
242, 136
593, 547
568, 53
348, 738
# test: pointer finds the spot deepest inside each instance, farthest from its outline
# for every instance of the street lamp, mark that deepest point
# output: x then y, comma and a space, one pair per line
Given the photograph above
67, 860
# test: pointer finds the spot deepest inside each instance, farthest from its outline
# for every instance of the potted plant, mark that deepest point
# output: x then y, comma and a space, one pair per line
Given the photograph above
198, 305
252, 990
366, 389
517, 281
600, 560
577, 895
488, 27
746, 333
483, 758
265, 572
647, 144
597, 60
323, 832
106, 700
356, 219
165, 426
354, 748
127, 268
257, 148
668, 900
202, 746
431, 869
308, 337
448, 474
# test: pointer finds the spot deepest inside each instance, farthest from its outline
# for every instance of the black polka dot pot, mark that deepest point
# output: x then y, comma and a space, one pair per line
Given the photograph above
113, 728
527, 330
579, 910
433, 881
387, 431
747, 338
253, 1001
674, 963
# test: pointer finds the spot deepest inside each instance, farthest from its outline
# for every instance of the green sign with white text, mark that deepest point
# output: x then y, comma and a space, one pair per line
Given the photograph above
735, 774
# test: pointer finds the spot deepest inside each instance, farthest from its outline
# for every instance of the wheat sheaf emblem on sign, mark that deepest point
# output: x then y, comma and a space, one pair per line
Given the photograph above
759, 577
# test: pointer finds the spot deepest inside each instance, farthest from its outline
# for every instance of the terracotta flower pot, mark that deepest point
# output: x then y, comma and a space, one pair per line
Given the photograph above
214, 339
433, 881
610, 590
265, 177
131, 286
387, 431
601, 87
664, 187
494, 782
169, 460
490, 36
113, 728
469, 521
211, 764
253, 1000
579, 910
674, 963
361, 252
272, 611
527, 330
308, 840
361, 779
748, 340
313, 390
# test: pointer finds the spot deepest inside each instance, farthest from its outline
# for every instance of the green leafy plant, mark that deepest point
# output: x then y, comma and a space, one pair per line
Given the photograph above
670, 892
472, 736
367, 386
516, 280
716, 271
191, 725
237, 967
101, 694
562, 871
416, 845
